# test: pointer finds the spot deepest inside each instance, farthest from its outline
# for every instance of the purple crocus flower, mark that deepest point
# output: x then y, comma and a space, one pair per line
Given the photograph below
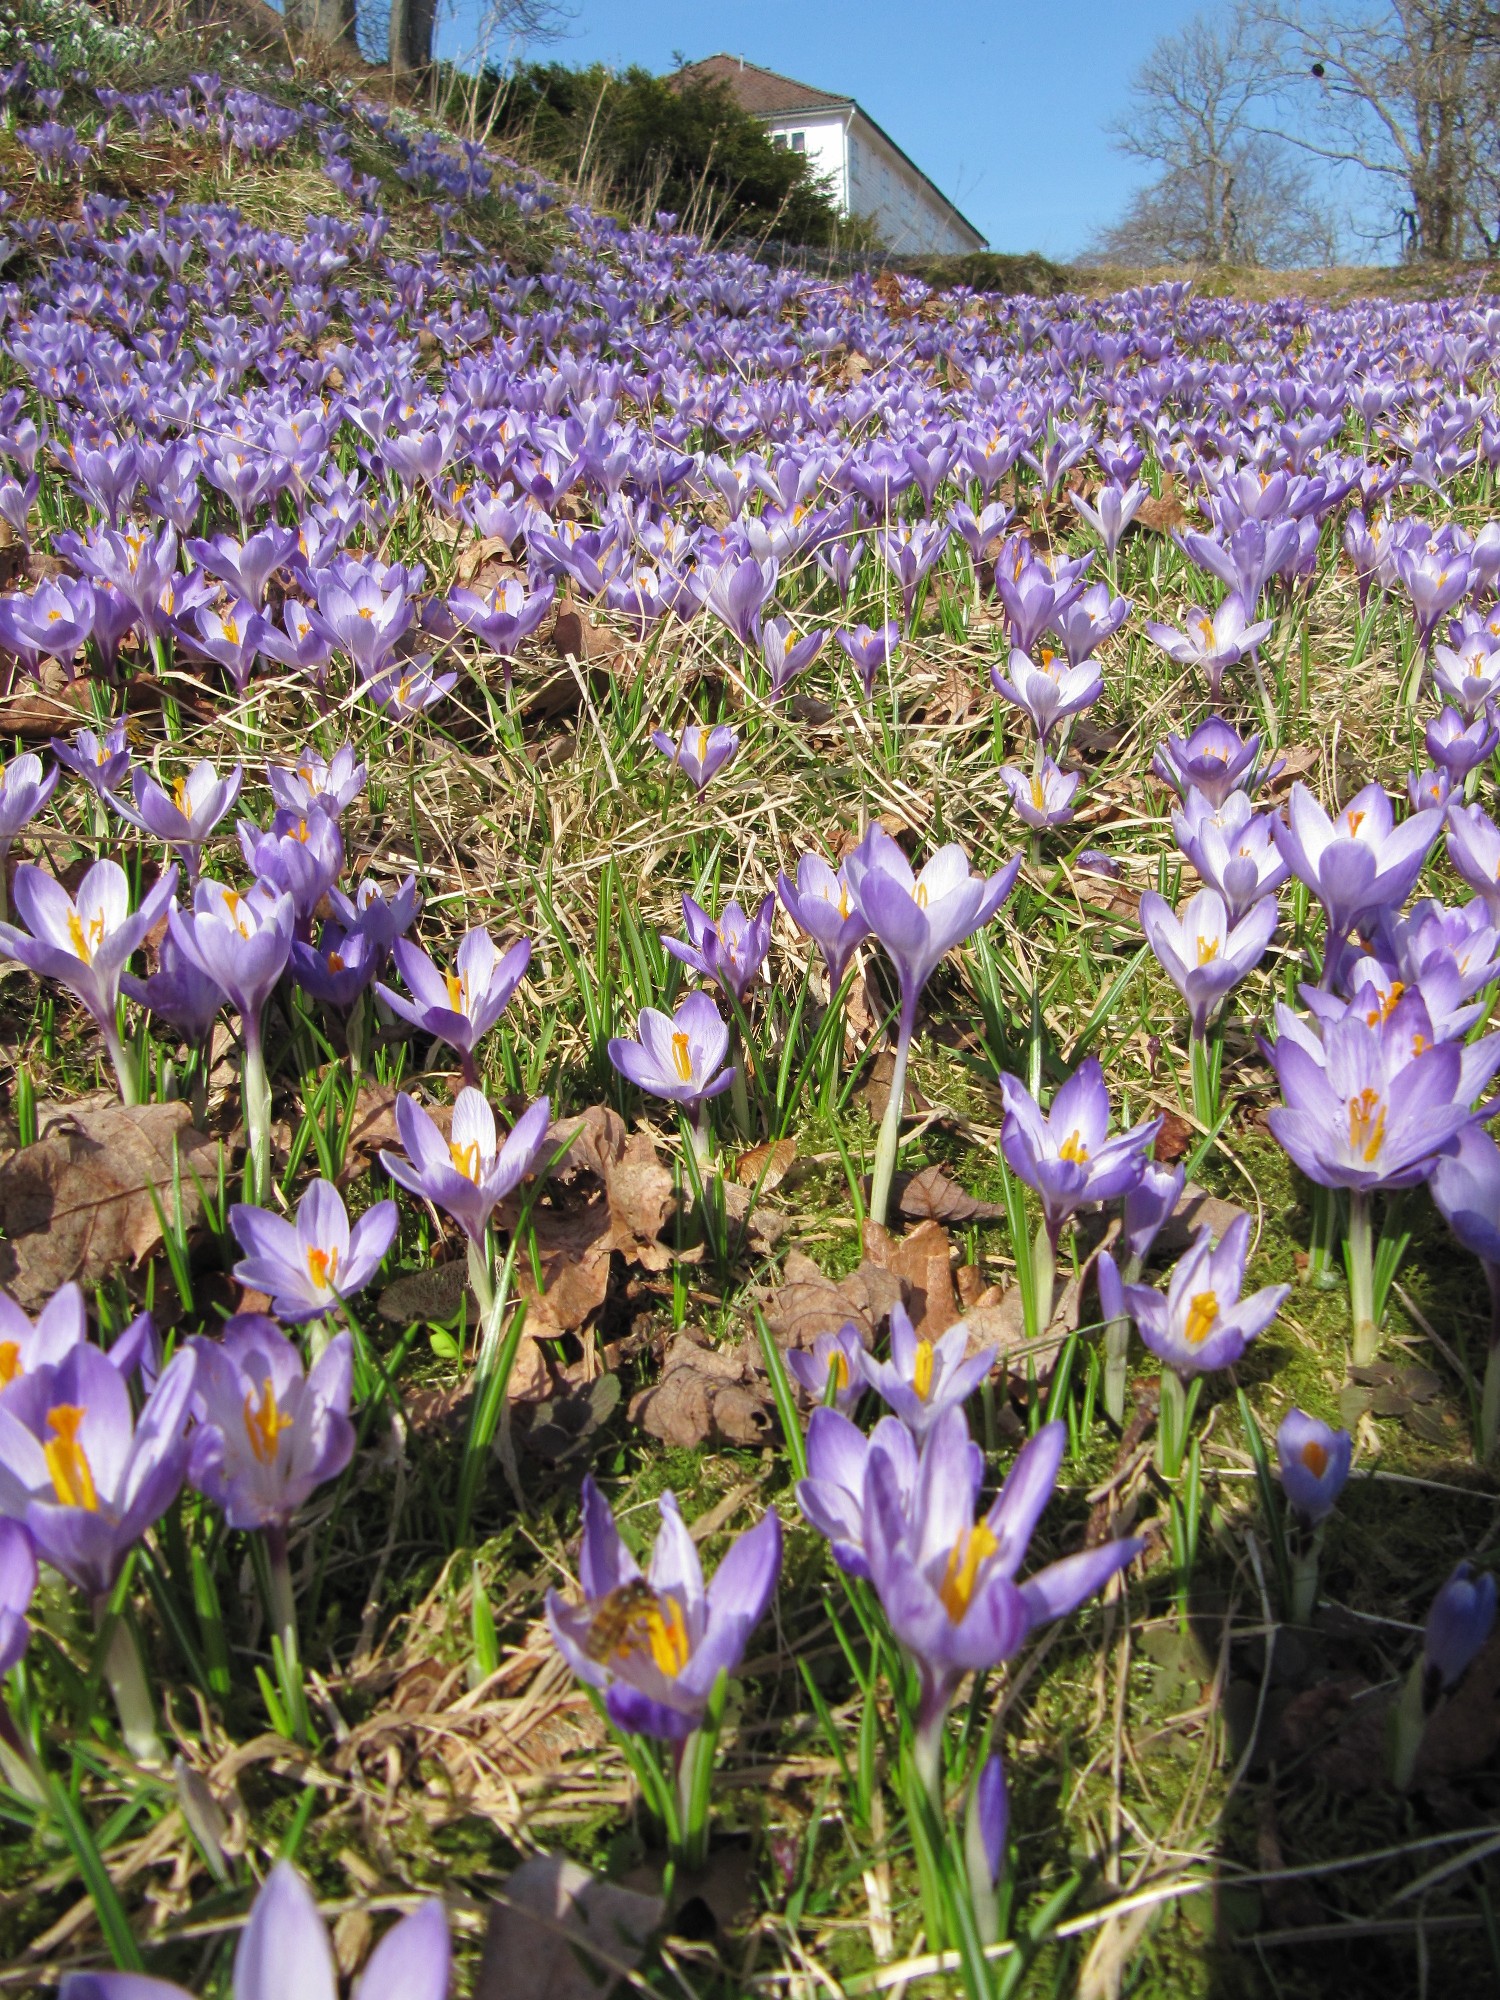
24, 1347
1214, 760
837, 1354
786, 657
1460, 1620
468, 1174
23, 793
1202, 1323
819, 905
186, 816
85, 942
738, 592
247, 566
270, 1431
77, 1467
1459, 746
1474, 850
1428, 788
923, 1377
700, 751
1042, 798
832, 1496
1314, 1463
17, 1588
458, 1007
284, 1954
1047, 688
340, 968
1202, 952
301, 853
1233, 849
241, 941
332, 783
947, 1582
1114, 508
308, 1266
1357, 862
676, 1056
380, 914
1212, 640
918, 919
1065, 1155
101, 760
1149, 1205
870, 650
177, 992
656, 1643
1468, 675
504, 617
730, 952
986, 1825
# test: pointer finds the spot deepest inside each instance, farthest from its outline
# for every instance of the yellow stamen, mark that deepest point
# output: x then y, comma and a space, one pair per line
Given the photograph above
702, 745
1315, 1457
1383, 1009
682, 1060
67, 1461
973, 1547
265, 1423
458, 991
921, 1370
1366, 1124
85, 943
1038, 796
232, 906
1355, 821
10, 1361
1208, 950
323, 1267
466, 1159
1203, 1314
1073, 1148
231, 631
838, 1368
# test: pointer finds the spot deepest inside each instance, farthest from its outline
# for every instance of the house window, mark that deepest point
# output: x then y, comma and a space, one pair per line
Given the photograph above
799, 142
778, 140
853, 158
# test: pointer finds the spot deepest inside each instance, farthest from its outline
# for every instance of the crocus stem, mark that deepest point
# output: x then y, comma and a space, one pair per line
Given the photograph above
1116, 1367
888, 1144
1044, 1269
927, 1748
282, 1607
126, 1674
1171, 1424
739, 1092
1305, 1555
1359, 1249
130, 1091
1408, 1726
255, 1092
1204, 1070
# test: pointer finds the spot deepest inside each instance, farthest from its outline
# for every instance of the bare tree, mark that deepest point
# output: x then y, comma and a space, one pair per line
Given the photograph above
1405, 91
503, 25
1225, 193
330, 21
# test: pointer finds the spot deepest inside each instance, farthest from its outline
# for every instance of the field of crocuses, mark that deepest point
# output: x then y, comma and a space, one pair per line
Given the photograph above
747, 1220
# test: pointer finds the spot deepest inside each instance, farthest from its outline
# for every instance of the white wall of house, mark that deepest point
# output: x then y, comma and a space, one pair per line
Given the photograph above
870, 178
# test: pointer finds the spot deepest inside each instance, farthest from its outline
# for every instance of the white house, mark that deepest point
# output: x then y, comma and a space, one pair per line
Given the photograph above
869, 174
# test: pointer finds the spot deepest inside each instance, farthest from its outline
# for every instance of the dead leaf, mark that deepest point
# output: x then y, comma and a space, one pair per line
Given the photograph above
765, 1167
922, 1262
563, 1934
1173, 1140
77, 1204
932, 1195
374, 1127
1161, 516
488, 562
579, 638
807, 1303
433, 1294
876, 1089
1195, 1210
1464, 1730
706, 1395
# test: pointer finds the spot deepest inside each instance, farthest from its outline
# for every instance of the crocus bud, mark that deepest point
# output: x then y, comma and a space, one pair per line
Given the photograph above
985, 1825
1461, 1619
1314, 1463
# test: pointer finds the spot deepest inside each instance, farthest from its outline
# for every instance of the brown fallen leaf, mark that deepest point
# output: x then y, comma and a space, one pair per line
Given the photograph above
932, 1195
560, 1933
1173, 1140
78, 1204
580, 639
875, 1091
1161, 516
706, 1395
922, 1263
374, 1127
807, 1302
433, 1294
765, 1167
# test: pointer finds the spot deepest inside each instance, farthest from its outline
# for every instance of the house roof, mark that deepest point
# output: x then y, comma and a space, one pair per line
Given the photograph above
766, 94
760, 91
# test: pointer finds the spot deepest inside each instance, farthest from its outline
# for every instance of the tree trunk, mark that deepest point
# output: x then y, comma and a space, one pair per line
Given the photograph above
413, 23
327, 21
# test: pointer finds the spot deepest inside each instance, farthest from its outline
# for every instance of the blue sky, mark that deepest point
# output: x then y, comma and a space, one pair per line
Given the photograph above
1002, 102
